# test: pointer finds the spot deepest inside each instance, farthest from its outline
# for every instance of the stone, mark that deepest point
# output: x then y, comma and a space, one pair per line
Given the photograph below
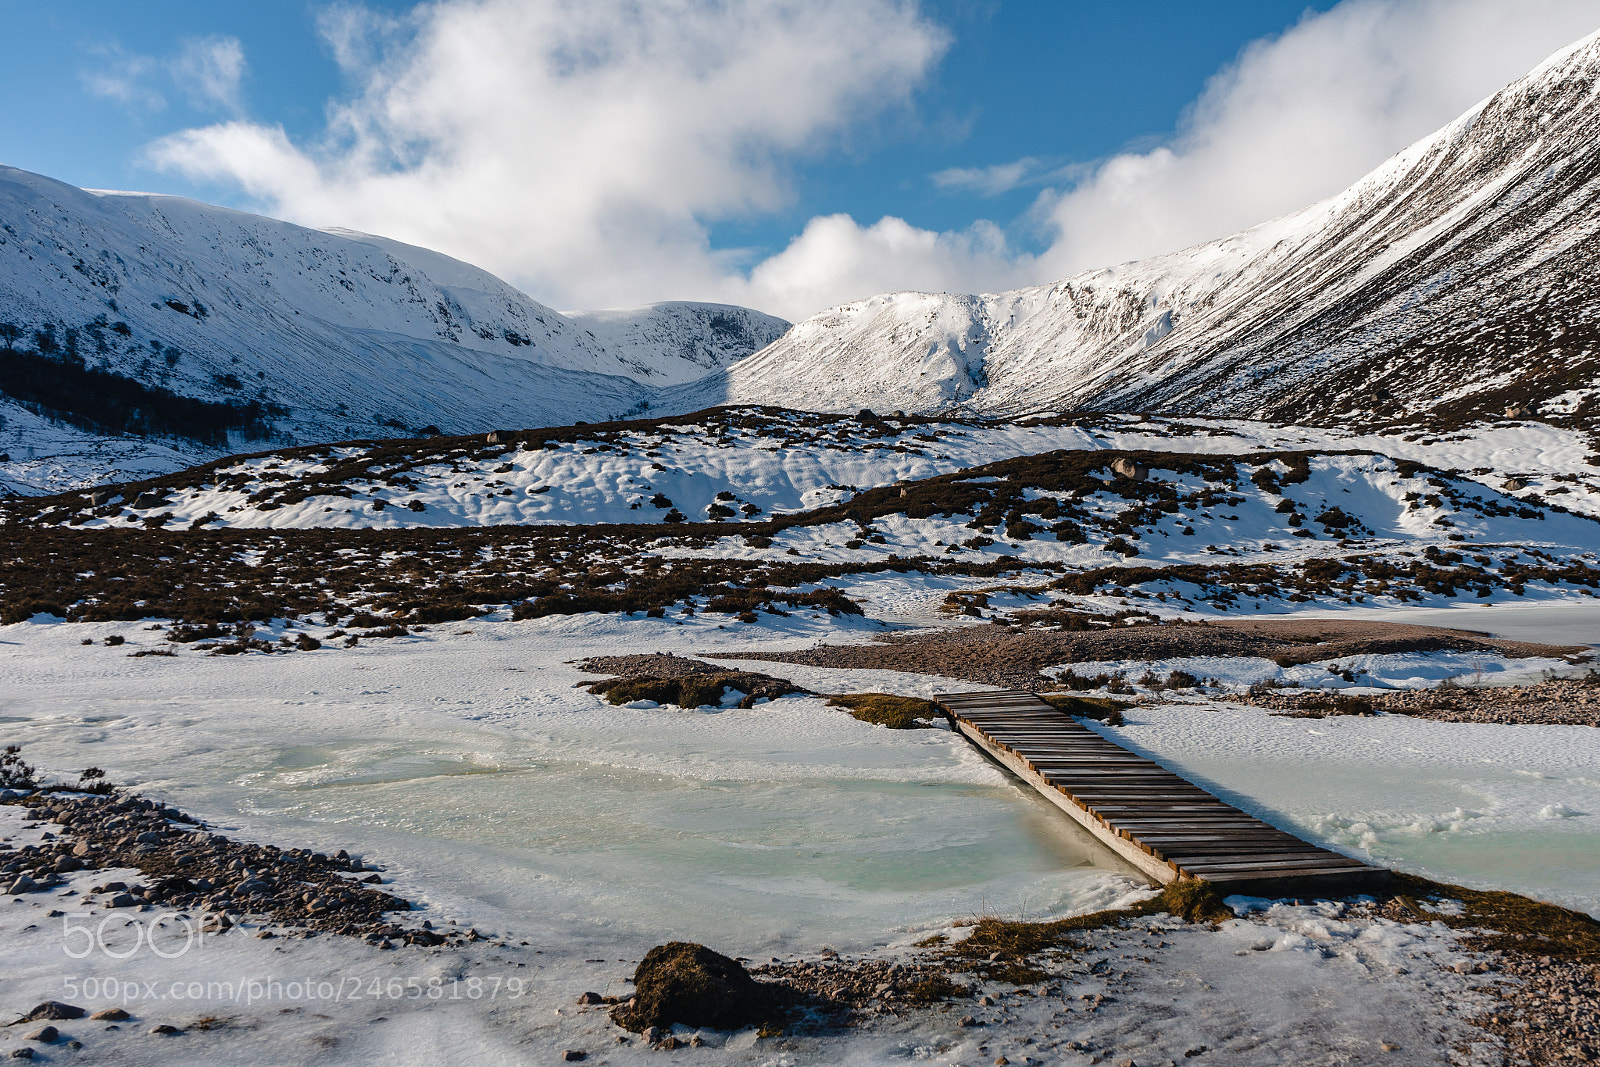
53, 1010
112, 1015
45, 1034
165, 1028
651, 1035
23, 1053
1127, 468
574, 1055
81, 849
23, 884
967, 1020
590, 998
122, 900
682, 982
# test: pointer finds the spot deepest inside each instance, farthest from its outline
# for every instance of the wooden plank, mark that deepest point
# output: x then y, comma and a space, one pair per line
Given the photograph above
1158, 821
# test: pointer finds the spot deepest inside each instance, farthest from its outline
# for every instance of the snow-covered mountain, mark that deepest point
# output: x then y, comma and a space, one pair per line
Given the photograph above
305, 334
1457, 280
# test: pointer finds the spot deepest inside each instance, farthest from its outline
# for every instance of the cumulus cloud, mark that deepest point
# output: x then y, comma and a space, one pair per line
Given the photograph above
582, 150
579, 148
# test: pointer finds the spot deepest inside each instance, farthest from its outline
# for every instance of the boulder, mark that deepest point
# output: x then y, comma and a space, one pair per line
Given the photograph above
1127, 468
682, 982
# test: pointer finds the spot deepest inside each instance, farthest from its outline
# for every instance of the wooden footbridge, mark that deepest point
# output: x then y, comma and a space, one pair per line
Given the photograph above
1166, 827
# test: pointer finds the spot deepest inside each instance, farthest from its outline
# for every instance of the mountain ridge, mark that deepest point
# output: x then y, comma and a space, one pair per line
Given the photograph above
1321, 314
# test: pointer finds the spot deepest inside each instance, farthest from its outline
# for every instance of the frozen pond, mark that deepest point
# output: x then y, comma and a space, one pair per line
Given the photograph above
1572, 622
494, 790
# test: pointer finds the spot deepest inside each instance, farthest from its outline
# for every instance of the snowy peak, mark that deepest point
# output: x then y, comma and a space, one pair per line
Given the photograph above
1458, 280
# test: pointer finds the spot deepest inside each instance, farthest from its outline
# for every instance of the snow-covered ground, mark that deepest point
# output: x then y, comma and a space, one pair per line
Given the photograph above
495, 794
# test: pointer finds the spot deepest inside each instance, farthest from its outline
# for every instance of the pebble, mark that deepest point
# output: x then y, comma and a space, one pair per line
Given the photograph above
165, 1028
590, 998
23, 1053
45, 1034
573, 1055
113, 1015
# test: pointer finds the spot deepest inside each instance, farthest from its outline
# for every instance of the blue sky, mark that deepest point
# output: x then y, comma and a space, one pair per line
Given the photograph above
1047, 92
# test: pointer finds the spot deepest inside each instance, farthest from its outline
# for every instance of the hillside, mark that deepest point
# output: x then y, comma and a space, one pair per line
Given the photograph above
153, 316
1456, 281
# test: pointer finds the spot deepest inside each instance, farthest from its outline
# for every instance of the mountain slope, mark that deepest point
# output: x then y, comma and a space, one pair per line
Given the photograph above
329, 334
1458, 279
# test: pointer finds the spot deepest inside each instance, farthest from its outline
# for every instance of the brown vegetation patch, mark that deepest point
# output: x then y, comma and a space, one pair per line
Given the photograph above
1013, 660
1565, 702
887, 709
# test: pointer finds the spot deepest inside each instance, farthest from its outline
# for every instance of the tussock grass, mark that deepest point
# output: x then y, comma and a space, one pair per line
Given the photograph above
1098, 708
886, 709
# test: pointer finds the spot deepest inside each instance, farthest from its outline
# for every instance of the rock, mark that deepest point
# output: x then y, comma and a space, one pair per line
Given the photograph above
53, 1010
113, 1015
1463, 967
122, 900
45, 1034
574, 1055
682, 982
67, 864
23, 1053
1127, 468
670, 1042
967, 1020
651, 1035
1001, 1061
23, 884
590, 998
165, 1028
82, 848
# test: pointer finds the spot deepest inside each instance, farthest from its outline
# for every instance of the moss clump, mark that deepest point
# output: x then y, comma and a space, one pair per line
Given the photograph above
1193, 901
886, 709
1106, 711
694, 690
682, 982
935, 988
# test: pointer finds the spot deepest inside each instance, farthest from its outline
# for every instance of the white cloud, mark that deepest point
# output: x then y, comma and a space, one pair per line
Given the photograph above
121, 76
1301, 116
210, 69
207, 69
581, 150
987, 181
